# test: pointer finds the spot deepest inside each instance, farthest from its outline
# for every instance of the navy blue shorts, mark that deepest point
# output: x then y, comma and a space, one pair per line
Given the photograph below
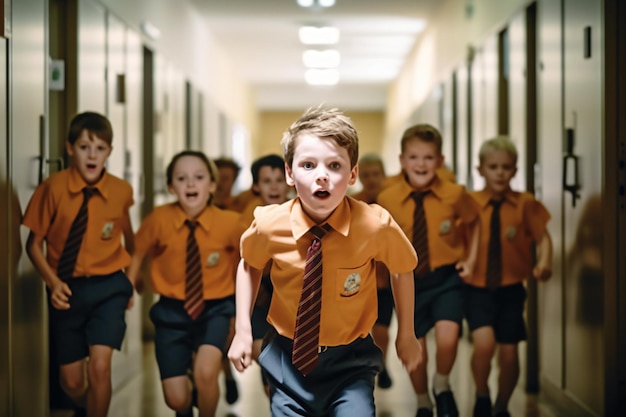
385, 306
341, 385
96, 316
177, 336
502, 309
438, 296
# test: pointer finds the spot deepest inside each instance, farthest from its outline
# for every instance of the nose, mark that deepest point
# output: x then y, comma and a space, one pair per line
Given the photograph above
321, 174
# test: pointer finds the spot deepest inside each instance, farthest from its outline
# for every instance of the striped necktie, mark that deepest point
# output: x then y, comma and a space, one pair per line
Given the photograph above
306, 336
194, 294
67, 262
420, 234
494, 255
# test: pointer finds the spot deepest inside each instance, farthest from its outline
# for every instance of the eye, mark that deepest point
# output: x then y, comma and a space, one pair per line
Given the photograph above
200, 177
335, 165
307, 165
102, 148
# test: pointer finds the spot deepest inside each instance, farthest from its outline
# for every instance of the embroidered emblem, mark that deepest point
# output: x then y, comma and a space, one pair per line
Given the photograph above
352, 285
107, 231
511, 231
213, 259
444, 227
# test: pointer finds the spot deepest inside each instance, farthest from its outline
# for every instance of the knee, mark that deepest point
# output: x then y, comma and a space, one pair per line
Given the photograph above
99, 371
484, 350
206, 374
178, 401
73, 384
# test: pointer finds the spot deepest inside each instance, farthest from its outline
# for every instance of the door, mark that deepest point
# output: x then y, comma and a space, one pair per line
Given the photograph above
582, 209
28, 142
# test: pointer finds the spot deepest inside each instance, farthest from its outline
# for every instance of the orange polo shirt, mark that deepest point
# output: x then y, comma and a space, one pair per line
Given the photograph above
443, 173
523, 220
448, 207
163, 234
361, 235
54, 205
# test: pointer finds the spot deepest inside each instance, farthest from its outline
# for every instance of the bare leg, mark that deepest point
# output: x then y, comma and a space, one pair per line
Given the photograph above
74, 381
99, 375
206, 370
484, 348
509, 374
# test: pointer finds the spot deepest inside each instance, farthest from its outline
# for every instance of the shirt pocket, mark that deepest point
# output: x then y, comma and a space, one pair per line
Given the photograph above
110, 228
350, 282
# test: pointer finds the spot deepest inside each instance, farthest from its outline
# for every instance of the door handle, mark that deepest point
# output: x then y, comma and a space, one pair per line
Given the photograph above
571, 182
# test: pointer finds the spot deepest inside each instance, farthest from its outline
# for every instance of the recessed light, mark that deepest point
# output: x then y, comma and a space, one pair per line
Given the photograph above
329, 58
305, 3
312, 35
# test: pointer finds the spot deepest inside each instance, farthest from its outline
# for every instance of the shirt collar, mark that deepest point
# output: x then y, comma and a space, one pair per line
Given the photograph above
76, 183
204, 219
484, 197
339, 220
436, 188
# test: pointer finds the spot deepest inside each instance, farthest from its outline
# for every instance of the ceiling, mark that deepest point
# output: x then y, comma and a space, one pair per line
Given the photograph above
261, 37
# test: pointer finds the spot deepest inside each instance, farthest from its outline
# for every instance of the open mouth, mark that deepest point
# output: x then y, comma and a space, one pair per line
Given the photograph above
191, 195
322, 194
91, 166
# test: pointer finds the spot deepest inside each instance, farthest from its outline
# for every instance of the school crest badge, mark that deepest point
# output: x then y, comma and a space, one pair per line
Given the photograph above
107, 231
213, 259
351, 285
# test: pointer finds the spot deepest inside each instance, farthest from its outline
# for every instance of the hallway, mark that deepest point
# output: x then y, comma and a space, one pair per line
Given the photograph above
142, 397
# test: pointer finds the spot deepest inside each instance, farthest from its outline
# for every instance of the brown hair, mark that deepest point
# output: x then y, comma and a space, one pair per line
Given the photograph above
95, 123
325, 124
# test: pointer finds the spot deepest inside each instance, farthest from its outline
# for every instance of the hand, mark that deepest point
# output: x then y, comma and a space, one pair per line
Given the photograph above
410, 351
60, 296
240, 352
542, 273
464, 269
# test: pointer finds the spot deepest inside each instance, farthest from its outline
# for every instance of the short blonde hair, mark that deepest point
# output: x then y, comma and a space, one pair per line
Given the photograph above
422, 132
325, 124
499, 143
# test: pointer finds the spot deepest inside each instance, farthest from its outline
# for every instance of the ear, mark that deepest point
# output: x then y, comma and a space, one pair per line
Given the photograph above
440, 161
212, 187
354, 174
69, 148
289, 176
255, 188
479, 168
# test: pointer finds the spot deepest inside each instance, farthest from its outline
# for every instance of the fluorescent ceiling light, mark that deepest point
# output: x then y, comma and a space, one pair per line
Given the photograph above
321, 76
150, 30
329, 58
322, 3
311, 35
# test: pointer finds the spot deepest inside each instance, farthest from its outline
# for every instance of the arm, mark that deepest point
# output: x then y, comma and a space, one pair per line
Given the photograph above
129, 236
409, 349
246, 289
543, 269
466, 267
59, 290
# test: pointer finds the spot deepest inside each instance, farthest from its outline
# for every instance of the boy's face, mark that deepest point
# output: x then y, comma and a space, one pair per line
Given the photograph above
321, 173
272, 185
192, 184
420, 161
497, 168
89, 154
227, 179
372, 177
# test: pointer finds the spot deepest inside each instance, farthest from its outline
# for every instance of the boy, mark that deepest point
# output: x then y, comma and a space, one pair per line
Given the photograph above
270, 185
434, 212
81, 214
495, 293
329, 368
372, 178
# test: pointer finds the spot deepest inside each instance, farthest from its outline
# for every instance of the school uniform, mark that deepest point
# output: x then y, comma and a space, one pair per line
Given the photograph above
384, 295
448, 207
100, 289
523, 220
163, 235
360, 235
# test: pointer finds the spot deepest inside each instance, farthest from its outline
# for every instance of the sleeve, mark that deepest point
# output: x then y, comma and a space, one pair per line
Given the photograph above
466, 207
146, 237
254, 244
536, 218
40, 211
395, 249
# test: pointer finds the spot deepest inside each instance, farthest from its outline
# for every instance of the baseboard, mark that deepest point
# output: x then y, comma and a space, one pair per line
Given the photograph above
560, 402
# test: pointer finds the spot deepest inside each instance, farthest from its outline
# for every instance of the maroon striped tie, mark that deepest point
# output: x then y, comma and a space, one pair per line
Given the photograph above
420, 235
194, 295
494, 255
67, 262
306, 336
